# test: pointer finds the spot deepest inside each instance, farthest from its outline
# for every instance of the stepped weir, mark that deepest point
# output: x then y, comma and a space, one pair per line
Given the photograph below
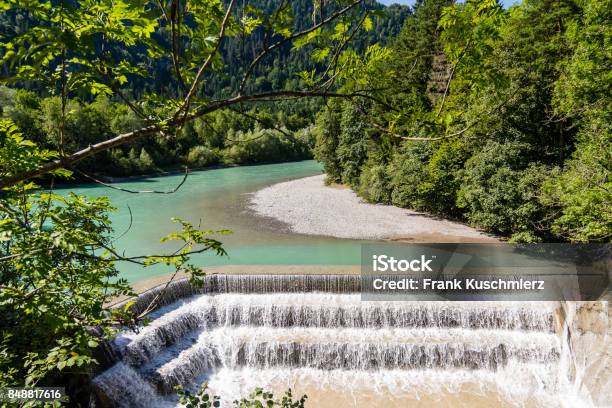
313, 333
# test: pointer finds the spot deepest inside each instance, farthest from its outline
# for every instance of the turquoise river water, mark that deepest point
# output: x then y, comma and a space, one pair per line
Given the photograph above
216, 199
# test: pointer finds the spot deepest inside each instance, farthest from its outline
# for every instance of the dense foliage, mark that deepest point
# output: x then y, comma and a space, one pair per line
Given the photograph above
125, 87
57, 272
223, 137
272, 132
256, 399
498, 117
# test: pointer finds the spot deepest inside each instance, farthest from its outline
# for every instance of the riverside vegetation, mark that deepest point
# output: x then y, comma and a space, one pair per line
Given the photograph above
499, 117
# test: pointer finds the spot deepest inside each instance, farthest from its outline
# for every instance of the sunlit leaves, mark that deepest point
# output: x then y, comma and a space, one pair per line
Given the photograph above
18, 155
308, 77
368, 25
54, 284
190, 237
340, 30
192, 240
320, 54
57, 270
308, 38
360, 70
64, 45
250, 23
583, 191
469, 31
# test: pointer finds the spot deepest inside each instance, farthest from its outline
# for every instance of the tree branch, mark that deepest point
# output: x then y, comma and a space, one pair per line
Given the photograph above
126, 190
286, 40
454, 134
259, 120
451, 75
119, 140
206, 64
333, 64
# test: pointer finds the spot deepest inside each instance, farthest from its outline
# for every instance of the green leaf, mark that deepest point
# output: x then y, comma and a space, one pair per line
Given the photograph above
367, 24
320, 54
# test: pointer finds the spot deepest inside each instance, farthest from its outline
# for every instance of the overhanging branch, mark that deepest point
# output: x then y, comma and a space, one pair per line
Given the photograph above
119, 140
280, 43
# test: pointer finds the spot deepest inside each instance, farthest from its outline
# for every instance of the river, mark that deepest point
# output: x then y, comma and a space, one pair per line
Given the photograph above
215, 199
315, 334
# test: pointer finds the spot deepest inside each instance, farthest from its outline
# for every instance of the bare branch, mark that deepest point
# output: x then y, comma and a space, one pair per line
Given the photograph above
140, 259
129, 227
175, 34
292, 37
208, 61
175, 56
126, 190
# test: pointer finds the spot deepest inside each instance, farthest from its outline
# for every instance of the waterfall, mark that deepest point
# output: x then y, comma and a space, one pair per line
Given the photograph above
215, 283
121, 386
316, 329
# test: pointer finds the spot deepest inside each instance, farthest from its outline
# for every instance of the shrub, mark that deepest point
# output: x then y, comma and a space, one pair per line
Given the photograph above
352, 145
500, 191
201, 156
408, 172
374, 184
439, 189
583, 191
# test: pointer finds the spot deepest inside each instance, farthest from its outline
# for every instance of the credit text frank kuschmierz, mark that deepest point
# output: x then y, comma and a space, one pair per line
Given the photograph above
456, 284
384, 263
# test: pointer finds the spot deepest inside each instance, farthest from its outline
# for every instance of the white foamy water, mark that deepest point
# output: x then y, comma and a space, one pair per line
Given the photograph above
345, 352
514, 386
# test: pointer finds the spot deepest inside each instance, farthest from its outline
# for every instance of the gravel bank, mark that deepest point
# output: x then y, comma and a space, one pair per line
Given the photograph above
307, 206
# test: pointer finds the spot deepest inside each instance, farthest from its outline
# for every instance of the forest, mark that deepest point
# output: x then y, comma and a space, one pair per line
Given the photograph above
500, 118
475, 115
269, 133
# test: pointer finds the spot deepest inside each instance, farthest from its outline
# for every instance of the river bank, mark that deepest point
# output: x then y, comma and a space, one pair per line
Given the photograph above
308, 206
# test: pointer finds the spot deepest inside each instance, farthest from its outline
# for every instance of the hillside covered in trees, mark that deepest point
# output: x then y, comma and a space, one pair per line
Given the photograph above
276, 132
501, 118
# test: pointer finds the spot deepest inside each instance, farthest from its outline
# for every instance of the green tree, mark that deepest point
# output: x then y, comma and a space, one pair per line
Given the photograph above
327, 135
583, 191
500, 190
499, 117
408, 172
352, 143
57, 272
